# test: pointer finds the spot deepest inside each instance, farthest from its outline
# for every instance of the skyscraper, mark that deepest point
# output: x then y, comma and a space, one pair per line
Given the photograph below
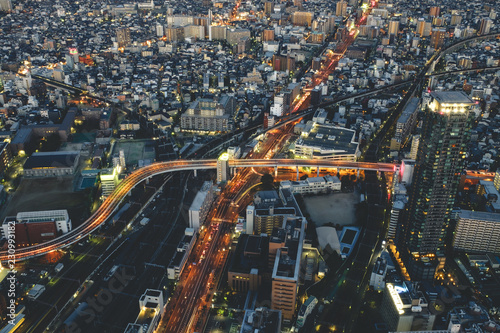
440, 161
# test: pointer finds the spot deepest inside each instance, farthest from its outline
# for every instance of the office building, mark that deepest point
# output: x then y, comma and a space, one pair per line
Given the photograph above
51, 164
323, 141
477, 232
150, 310
206, 114
423, 27
37, 227
123, 37
261, 320
377, 277
405, 308
439, 163
288, 242
313, 185
199, 209
248, 263
269, 210
437, 38
178, 261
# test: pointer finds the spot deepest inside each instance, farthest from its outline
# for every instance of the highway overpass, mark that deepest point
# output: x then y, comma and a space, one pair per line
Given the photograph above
111, 203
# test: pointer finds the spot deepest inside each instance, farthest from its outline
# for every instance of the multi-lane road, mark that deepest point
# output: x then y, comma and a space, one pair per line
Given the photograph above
110, 205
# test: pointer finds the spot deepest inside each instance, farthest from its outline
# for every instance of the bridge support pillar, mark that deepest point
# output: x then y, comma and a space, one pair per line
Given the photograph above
297, 168
317, 172
276, 171
379, 174
147, 180
358, 175
195, 172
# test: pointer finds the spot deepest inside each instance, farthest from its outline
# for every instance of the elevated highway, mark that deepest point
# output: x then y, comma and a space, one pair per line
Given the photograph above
111, 203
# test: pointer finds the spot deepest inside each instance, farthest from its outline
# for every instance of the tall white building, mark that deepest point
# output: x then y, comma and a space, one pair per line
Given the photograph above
199, 209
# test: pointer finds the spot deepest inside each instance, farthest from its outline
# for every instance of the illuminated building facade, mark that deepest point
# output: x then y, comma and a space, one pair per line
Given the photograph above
223, 172
439, 163
123, 37
249, 263
325, 141
404, 308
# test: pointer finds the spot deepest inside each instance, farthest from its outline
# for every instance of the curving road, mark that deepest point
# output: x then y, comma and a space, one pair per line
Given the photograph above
110, 205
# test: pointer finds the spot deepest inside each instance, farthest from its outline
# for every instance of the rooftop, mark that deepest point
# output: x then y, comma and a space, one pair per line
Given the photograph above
251, 252
451, 97
329, 138
199, 199
49, 160
483, 216
261, 320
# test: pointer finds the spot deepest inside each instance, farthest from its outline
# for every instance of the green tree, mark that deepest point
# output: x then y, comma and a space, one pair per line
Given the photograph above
267, 181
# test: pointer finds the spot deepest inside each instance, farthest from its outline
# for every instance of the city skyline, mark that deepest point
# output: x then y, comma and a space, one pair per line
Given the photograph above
229, 166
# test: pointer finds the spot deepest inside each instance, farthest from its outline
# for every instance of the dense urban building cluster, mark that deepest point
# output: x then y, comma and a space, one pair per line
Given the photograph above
250, 166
